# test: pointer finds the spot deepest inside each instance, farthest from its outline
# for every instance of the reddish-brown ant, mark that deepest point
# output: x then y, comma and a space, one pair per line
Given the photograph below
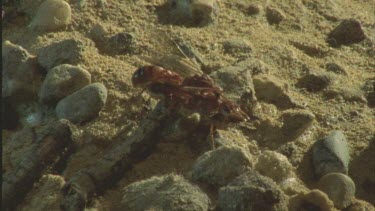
196, 94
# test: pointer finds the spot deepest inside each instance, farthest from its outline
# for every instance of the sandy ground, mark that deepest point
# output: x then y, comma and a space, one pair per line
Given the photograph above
306, 22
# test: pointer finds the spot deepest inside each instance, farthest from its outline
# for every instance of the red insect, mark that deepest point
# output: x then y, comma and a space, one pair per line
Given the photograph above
195, 93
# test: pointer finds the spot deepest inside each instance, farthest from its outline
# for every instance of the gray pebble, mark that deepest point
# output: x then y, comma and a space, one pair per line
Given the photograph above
336, 68
62, 81
296, 122
196, 12
84, 104
275, 166
237, 83
220, 166
347, 94
331, 154
21, 76
170, 192
252, 191
315, 82
237, 46
122, 43
272, 90
274, 16
339, 188
349, 31
69, 51
256, 66
52, 15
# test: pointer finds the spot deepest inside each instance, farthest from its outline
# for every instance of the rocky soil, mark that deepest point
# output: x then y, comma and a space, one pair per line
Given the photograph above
77, 135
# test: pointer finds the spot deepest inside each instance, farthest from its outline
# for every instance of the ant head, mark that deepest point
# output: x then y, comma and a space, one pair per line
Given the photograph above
232, 112
141, 76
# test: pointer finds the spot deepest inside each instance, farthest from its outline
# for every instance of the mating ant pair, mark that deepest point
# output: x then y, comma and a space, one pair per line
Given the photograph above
194, 93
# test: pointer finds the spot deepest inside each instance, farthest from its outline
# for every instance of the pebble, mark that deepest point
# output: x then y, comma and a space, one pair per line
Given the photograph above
62, 81
331, 154
339, 188
274, 16
238, 84
196, 12
336, 68
122, 43
236, 47
293, 186
21, 75
45, 195
315, 82
275, 166
52, 15
82, 105
69, 51
256, 66
359, 205
252, 191
347, 94
272, 90
348, 32
311, 200
296, 122
253, 9
169, 192
222, 165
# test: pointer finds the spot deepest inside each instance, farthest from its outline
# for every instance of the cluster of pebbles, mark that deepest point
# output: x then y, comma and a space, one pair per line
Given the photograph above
238, 174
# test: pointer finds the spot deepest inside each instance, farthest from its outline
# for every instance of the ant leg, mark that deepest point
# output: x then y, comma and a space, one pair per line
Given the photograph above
136, 96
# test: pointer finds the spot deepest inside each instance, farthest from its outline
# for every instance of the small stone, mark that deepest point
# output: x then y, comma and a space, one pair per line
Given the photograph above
69, 51
195, 12
349, 31
336, 68
359, 205
122, 43
256, 66
339, 188
312, 200
252, 191
45, 195
83, 105
275, 166
253, 9
52, 15
331, 154
272, 90
238, 84
204, 11
315, 82
274, 16
293, 186
296, 122
347, 94
21, 75
62, 81
237, 46
222, 165
170, 192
